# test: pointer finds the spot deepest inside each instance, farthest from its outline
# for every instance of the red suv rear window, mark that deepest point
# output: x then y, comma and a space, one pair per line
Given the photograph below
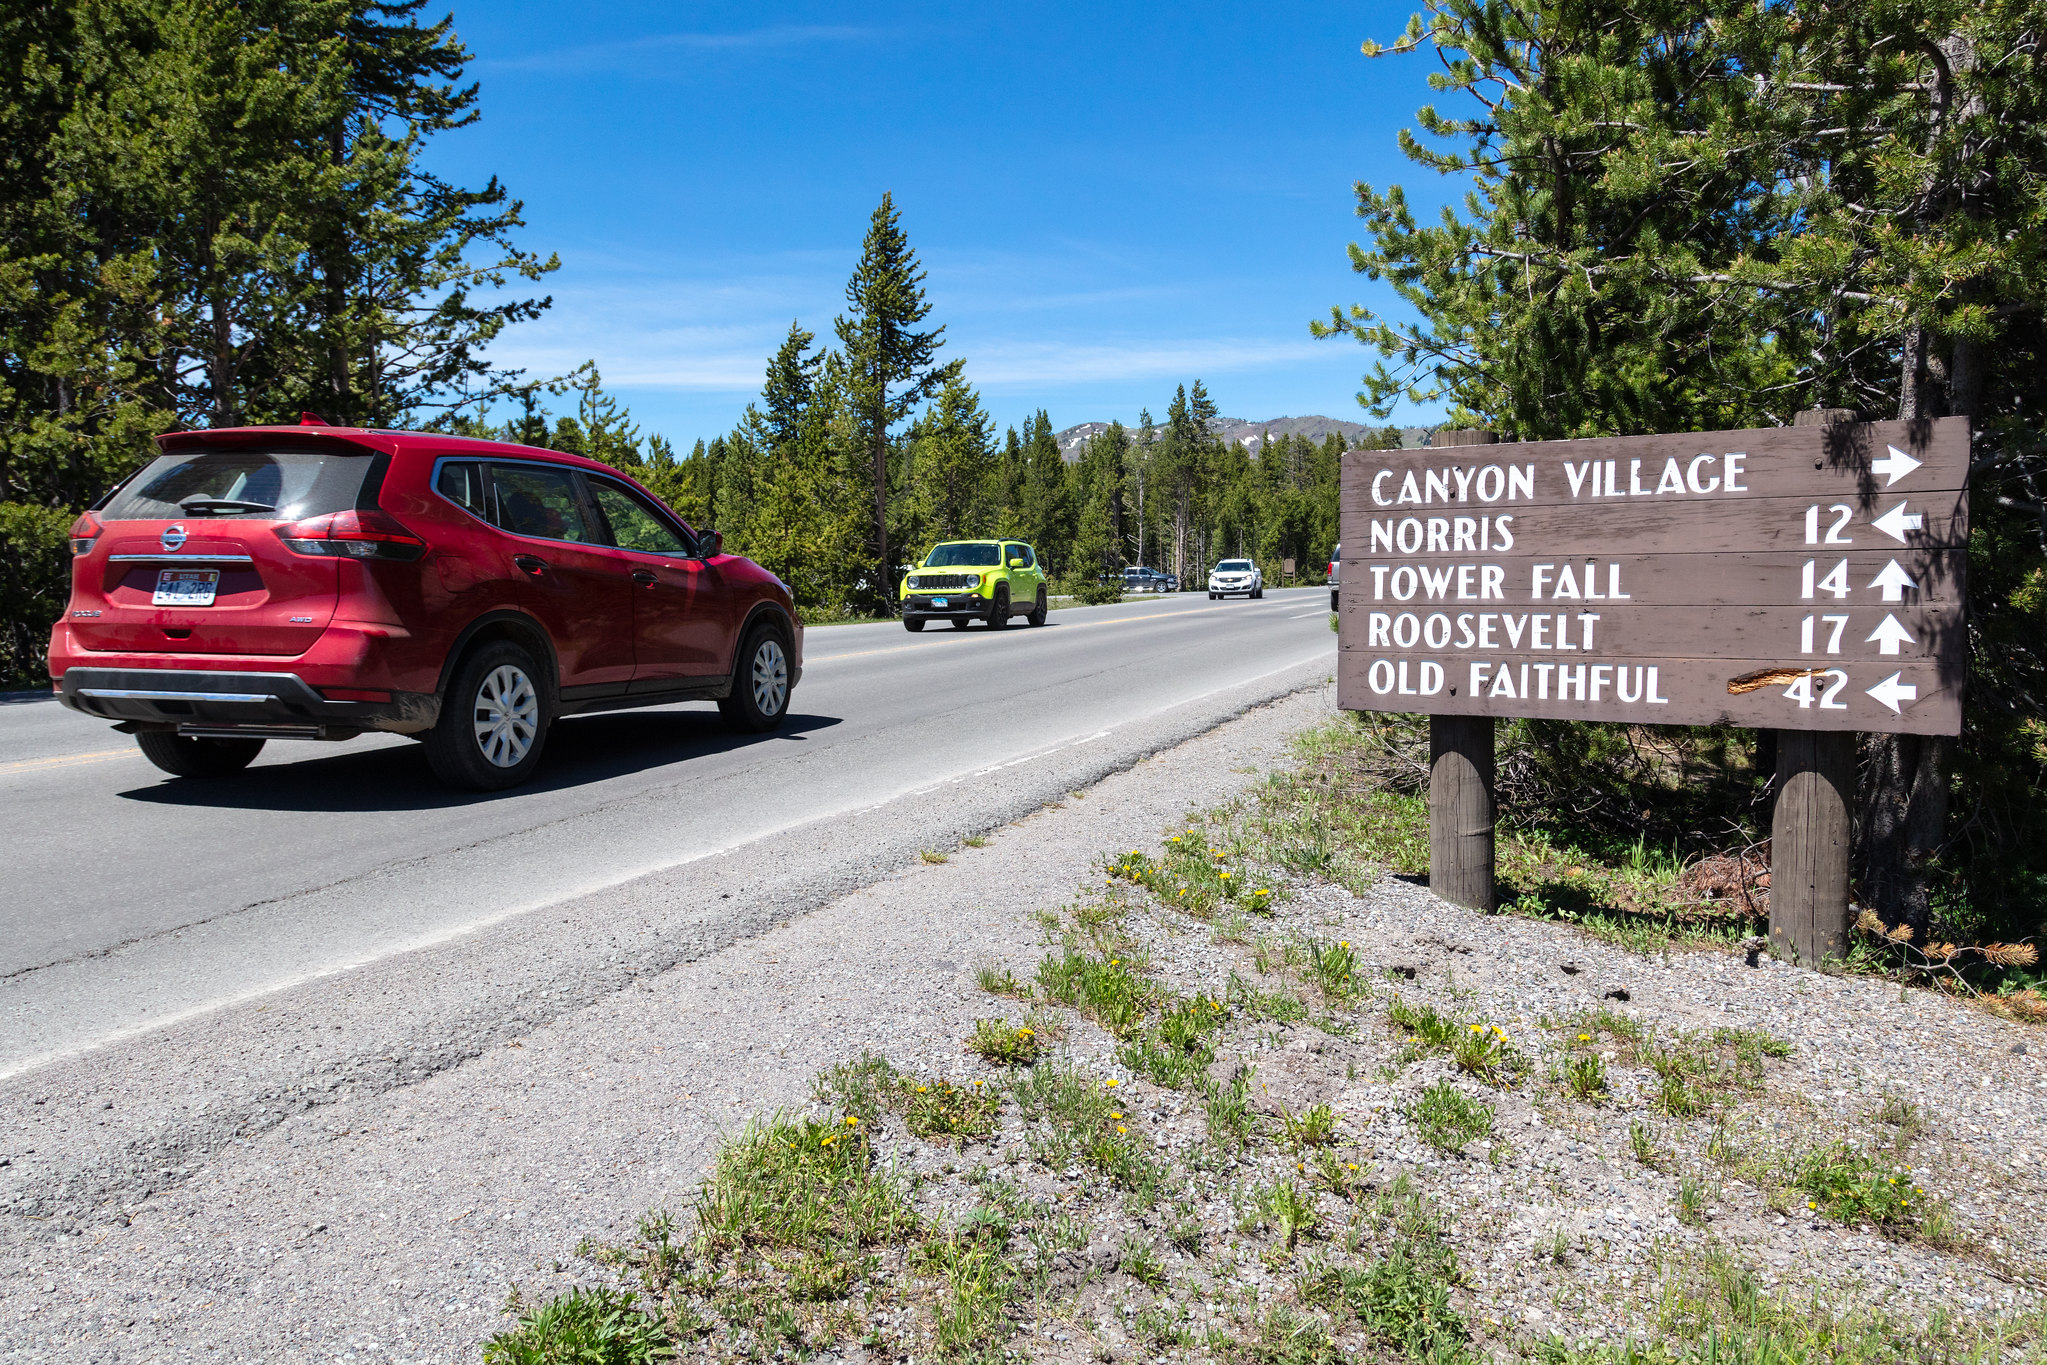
275, 485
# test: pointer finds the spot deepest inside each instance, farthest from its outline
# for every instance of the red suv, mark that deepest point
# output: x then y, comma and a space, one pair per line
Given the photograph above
315, 582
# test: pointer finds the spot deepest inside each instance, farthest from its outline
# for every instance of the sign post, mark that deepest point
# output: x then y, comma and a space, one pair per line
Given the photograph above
1808, 580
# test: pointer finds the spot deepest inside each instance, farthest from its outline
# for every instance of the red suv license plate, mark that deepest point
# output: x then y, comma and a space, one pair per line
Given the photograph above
186, 587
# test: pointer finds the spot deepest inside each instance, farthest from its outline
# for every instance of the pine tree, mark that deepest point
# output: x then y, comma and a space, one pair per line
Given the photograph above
955, 490
1711, 216
891, 367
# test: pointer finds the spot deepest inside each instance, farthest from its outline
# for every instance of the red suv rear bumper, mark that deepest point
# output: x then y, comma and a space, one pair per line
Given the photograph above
286, 697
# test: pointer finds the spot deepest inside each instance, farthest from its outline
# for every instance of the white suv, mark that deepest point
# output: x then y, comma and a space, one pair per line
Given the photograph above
1335, 563
1232, 577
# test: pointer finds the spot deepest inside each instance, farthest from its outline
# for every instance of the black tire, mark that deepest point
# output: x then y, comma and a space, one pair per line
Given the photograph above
998, 617
185, 757
911, 625
1038, 612
493, 721
1212, 596
760, 683
1257, 594
1332, 601
959, 623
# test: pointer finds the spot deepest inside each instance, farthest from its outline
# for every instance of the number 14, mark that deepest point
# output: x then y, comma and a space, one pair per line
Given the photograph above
1805, 633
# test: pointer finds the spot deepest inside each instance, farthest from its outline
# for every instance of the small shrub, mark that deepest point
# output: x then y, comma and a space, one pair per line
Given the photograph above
1447, 1119
996, 1042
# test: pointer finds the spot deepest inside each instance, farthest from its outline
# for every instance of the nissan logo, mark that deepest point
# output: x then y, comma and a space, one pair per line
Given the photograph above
173, 537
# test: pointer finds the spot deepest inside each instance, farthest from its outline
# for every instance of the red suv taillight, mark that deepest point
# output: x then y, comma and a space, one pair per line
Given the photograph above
84, 532
362, 534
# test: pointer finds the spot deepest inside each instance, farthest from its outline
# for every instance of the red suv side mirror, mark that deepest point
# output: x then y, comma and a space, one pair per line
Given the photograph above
710, 544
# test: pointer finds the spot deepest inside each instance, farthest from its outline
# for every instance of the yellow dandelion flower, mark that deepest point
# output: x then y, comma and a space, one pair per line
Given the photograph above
1115, 1113
1584, 1037
1112, 1083
1477, 1029
852, 1122
921, 1089
1353, 1165
1121, 1129
1812, 1203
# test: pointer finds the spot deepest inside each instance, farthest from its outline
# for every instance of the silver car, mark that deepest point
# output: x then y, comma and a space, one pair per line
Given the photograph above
1335, 563
1234, 577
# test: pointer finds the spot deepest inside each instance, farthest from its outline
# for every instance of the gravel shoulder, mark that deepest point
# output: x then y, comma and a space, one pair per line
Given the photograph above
297, 1197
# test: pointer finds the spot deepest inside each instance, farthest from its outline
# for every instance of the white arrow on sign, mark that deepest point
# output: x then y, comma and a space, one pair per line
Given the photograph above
1893, 580
1890, 635
1897, 521
1890, 692
1893, 466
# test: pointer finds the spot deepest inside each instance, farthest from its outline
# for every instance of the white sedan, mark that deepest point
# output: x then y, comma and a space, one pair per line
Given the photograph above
1234, 576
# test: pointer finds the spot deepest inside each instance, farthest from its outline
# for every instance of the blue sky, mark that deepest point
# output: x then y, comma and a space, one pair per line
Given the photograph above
1109, 200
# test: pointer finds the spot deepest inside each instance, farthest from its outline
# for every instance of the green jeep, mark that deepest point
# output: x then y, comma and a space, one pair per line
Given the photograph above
975, 580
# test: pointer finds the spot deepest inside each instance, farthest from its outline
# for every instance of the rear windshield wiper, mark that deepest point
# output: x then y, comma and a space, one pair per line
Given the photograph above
211, 505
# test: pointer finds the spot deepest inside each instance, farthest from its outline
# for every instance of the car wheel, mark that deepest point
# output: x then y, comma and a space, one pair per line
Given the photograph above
1332, 601
911, 625
998, 617
1037, 616
760, 683
1257, 593
959, 623
184, 757
493, 721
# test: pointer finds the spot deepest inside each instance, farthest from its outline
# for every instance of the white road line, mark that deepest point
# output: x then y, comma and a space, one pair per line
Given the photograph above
1306, 614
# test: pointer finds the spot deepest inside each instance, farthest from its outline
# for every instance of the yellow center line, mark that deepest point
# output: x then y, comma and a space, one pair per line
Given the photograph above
62, 760
1076, 625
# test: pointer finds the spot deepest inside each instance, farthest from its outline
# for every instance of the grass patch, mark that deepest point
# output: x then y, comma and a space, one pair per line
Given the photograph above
597, 1324
1000, 1043
1447, 1119
1109, 990
1195, 875
1403, 1298
1583, 1077
1177, 1049
1852, 1187
802, 1183
1003, 981
1082, 1120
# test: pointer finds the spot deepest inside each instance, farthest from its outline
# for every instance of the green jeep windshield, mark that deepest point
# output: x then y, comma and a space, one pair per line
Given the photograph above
963, 556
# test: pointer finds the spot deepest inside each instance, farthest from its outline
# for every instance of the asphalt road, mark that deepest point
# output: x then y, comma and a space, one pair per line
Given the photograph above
134, 901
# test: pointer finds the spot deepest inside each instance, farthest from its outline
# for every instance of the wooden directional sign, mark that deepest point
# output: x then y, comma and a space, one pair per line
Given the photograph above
1803, 578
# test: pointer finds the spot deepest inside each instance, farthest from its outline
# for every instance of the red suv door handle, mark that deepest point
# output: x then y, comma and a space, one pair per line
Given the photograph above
645, 577
532, 564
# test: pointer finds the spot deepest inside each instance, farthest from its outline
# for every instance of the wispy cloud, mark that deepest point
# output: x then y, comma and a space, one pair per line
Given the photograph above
635, 52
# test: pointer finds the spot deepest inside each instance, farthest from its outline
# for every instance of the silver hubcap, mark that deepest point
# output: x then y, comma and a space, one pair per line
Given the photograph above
770, 678
507, 716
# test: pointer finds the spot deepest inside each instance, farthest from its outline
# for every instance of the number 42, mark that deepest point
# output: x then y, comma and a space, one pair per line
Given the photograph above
1801, 691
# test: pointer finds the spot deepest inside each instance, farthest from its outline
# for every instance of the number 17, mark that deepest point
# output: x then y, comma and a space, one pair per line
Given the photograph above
1805, 633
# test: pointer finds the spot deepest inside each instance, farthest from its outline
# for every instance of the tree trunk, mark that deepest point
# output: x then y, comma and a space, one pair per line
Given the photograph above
884, 579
